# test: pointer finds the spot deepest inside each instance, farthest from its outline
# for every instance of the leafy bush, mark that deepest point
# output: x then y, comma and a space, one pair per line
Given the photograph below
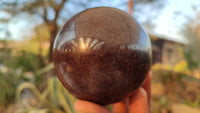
8, 84
55, 98
25, 60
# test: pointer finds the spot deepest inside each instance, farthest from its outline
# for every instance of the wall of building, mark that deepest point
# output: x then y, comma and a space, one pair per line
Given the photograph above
166, 52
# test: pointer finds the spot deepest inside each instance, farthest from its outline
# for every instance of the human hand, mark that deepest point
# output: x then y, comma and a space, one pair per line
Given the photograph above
137, 102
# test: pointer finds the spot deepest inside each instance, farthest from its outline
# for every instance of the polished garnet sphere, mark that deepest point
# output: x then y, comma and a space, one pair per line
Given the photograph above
102, 55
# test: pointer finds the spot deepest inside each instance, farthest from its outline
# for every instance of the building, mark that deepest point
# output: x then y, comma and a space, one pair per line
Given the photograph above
166, 50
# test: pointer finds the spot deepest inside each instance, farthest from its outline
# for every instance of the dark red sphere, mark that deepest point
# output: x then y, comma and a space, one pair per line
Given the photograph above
102, 55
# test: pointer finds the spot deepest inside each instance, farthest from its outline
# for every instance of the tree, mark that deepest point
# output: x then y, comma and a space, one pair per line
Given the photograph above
47, 11
192, 32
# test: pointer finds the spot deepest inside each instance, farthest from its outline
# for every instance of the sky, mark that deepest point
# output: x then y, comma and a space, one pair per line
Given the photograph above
170, 23
167, 22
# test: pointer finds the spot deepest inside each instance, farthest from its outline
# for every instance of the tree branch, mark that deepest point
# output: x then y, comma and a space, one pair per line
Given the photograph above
45, 15
57, 10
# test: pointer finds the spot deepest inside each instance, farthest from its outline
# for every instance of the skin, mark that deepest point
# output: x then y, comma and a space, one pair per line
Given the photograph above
137, 102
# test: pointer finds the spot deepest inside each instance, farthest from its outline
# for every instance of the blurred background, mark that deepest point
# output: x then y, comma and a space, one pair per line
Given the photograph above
28, 83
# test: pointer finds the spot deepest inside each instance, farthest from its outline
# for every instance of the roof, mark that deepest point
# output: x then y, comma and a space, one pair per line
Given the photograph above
169, 37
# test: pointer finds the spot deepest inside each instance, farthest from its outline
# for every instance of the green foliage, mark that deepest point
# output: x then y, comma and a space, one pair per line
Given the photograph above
191, 51
55, 98
195, 104
4, 55
17, 66
191, 58
25, 60
8, 84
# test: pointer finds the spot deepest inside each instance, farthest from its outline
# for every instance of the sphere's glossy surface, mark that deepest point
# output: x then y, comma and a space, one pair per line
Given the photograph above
101, 55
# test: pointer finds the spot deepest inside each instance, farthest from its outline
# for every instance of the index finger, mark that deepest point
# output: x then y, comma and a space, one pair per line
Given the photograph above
147, 87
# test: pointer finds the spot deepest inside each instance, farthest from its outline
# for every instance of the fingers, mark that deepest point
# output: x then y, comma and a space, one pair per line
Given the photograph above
139, 102
147, 86
121, 107
82, 106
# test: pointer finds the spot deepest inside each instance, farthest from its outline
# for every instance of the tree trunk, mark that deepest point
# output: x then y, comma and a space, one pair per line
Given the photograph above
53, 32
53, 28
